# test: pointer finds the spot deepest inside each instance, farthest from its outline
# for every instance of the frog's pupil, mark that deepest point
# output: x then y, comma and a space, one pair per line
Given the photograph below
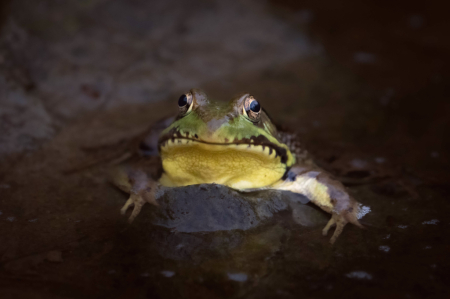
255, 107
182, 101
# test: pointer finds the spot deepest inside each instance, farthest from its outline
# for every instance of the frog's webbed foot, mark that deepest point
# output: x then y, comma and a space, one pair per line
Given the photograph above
329, 225
138, 199
330, 195
340, 222
139, 185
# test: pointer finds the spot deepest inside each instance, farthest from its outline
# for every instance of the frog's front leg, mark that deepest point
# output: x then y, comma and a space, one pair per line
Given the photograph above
141, 187
329, 194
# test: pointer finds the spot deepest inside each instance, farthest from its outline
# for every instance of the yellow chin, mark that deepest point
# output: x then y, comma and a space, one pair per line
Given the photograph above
187, 162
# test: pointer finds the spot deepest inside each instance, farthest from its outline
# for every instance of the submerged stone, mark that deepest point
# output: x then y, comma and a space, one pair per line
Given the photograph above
211, 207
308, 216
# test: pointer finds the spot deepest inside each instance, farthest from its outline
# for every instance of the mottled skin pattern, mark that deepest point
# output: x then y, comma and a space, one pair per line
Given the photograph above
234, 144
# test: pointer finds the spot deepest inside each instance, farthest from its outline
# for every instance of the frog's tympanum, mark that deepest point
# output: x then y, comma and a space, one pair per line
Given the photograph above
233, 144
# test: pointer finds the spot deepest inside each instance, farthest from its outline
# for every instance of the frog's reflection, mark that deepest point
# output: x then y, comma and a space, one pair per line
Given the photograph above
206, 221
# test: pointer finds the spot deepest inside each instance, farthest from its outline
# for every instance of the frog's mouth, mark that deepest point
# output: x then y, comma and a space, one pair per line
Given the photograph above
259, 145
239, 165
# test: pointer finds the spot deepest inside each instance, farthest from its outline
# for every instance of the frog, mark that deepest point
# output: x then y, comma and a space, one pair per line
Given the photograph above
235, 144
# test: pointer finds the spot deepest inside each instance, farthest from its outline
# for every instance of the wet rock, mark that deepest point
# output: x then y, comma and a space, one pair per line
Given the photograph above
308, 216
203, 208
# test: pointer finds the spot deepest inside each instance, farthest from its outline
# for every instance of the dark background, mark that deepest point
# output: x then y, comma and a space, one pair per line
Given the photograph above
364, 83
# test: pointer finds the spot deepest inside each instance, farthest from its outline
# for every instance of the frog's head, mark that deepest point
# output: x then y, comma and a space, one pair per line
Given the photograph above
225, 143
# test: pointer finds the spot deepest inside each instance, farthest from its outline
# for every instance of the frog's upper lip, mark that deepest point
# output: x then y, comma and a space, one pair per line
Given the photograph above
246, 143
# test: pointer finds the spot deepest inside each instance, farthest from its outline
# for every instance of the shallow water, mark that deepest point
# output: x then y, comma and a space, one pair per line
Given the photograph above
368, 99
63, 236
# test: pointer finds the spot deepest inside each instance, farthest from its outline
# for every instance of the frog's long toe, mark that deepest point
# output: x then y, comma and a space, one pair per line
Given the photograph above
138, 197
125, 207
327, 227
340, 220
337, 220
137, 201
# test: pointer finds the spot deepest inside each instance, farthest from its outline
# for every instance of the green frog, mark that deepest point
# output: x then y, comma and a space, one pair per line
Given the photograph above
233, 144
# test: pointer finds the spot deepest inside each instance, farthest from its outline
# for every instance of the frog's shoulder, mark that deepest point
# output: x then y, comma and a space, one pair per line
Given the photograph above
147, 143
292, 140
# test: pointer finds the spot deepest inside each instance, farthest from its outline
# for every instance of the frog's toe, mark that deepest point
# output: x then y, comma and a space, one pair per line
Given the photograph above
340, 220
327, 227
137, 201
340, 223
138, 198
125, 207
337, 220
136, 210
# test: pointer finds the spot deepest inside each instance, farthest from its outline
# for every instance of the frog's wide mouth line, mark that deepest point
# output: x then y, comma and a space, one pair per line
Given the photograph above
249, 147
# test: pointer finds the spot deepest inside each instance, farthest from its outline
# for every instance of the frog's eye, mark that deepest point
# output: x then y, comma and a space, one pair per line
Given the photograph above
185, 103
252, 109
255, 107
